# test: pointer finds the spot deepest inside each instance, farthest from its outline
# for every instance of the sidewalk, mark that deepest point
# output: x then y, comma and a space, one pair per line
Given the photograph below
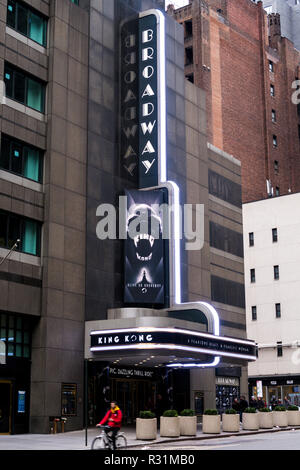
76, 440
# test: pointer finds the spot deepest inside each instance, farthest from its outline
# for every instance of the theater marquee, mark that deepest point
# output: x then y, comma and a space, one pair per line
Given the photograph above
181, 341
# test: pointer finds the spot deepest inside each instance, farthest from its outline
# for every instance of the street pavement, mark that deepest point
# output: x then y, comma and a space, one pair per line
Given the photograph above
281, 441
76, 440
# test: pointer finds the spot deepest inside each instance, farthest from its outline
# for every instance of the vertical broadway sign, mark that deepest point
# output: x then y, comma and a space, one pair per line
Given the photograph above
143, 100
148, 145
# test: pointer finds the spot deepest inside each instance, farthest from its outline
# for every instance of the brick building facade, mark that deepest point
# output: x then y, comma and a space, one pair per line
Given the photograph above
236, 53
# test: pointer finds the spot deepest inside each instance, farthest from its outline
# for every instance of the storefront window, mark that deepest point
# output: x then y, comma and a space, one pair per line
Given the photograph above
227, 389
15, 331
69, 399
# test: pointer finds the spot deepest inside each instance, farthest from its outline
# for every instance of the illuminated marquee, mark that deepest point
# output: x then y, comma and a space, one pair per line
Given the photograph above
142, 99
175, 339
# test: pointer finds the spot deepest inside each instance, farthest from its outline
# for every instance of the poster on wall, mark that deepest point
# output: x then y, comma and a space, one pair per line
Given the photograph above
145, 248
21, 401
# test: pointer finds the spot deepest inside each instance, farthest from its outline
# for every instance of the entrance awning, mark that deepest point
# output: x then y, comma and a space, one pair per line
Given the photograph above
172, 346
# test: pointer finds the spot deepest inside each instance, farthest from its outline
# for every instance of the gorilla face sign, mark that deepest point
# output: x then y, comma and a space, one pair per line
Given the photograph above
147, 224
144, 248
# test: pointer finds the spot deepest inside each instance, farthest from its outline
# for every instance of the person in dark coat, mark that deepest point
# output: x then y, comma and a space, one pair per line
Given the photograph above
253, 402
243, 404
260, 403
236, 405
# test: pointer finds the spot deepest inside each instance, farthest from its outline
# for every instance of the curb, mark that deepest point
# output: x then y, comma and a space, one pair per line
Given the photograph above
215, 436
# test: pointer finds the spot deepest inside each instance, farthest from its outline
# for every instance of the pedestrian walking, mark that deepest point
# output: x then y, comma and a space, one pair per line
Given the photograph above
260, 403
253, 402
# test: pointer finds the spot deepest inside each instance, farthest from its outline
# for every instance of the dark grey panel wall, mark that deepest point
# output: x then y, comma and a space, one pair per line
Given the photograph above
104, 259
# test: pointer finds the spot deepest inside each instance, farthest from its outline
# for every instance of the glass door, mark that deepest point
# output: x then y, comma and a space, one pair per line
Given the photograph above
5, 406
132, 397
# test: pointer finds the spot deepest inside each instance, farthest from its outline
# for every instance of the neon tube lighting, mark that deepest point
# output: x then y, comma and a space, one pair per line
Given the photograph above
169, 347
169, 330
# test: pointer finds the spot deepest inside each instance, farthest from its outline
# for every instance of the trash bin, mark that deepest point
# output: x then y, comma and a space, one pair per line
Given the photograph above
54, 420
62, 424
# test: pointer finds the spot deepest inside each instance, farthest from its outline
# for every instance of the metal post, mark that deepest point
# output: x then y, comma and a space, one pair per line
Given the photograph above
86, 400
10, 251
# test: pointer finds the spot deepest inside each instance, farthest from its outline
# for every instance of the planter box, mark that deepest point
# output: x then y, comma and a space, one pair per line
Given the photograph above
265, 420
211, 424
169, 427
188, 425
293, 418
250, 421
280, 418
146, 428
231, 423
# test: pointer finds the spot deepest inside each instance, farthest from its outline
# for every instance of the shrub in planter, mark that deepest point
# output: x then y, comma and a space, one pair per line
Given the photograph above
265, 418
250, 419
146, 425
280, 417
170, 424
231, 411
231, 421
211, 422
293, 408
170, 414
211, 412
147, 415
293, 415
188, 423
279, 408
187, 412
250, 410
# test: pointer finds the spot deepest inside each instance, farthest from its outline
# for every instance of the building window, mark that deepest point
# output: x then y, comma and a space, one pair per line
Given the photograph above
274, 235
76, 2
189, 59
21, 158
274, 115
251, 239
188, 29
190, 77
271, 66
279, 349
15, 331
252, 275
69, 399
272, 90
278, 310
26, 21
277, 191
24, 88
254, 313
276, 272
275, 143
14, 227
276, 166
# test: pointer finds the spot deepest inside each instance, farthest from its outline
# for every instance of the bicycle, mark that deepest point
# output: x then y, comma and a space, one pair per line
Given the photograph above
103, 441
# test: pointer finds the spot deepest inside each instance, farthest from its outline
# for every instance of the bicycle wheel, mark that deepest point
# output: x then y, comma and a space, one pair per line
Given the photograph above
98, 444
121, 441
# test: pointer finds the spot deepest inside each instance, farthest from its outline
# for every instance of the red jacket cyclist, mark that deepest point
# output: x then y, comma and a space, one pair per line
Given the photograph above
114, 420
